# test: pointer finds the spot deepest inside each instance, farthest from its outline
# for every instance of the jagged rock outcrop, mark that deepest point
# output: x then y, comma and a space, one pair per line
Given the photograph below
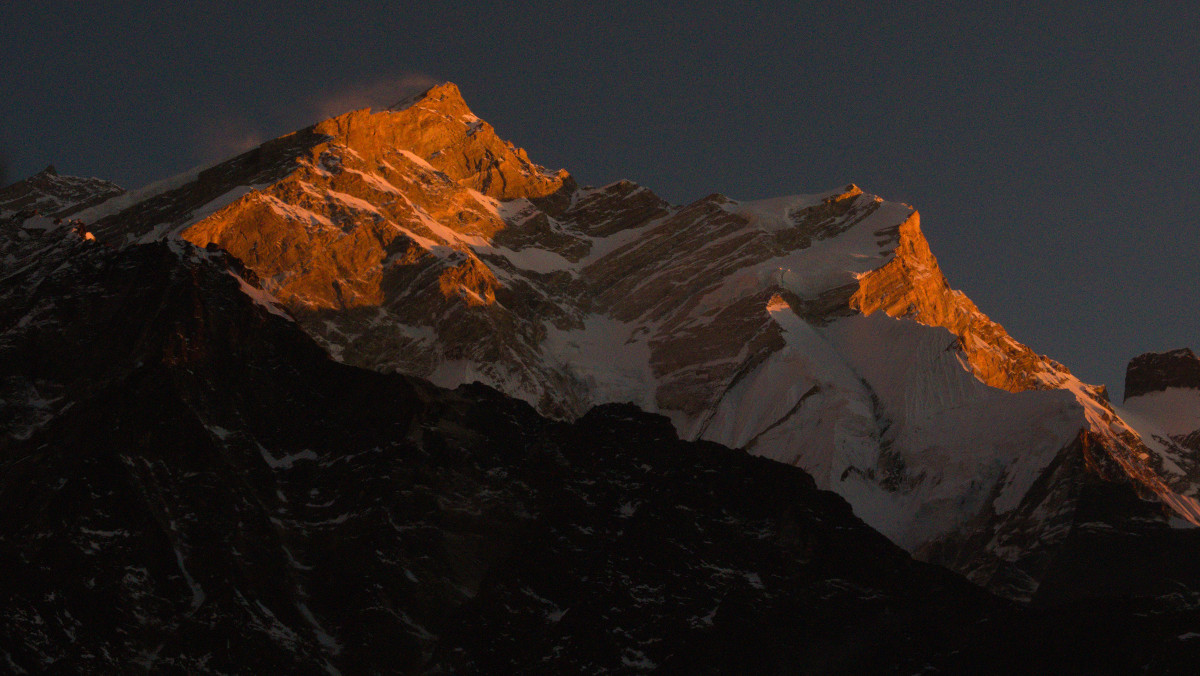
913, 286
1158, 371
1162, 400
816, 330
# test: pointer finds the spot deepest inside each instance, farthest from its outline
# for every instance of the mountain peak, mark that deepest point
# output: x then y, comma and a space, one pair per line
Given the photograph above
47, 193
1157, 371
414, 239
444, 94
439, 128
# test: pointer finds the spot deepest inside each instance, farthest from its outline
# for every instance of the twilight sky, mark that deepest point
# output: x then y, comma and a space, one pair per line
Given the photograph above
1054, 153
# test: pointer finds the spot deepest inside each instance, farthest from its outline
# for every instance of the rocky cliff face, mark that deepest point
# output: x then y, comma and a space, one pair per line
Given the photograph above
1162, 400
912, 286
816, 330
1160, 371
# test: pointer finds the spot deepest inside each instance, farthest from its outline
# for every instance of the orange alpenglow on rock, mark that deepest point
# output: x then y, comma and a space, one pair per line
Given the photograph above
329, 216
913, 286
473, 281
441, 130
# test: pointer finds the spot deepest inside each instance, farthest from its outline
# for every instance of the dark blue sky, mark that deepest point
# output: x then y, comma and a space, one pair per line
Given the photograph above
1051, 150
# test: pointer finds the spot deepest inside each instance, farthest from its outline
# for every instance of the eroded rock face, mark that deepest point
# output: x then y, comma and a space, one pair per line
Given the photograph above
1158, 371
817, 330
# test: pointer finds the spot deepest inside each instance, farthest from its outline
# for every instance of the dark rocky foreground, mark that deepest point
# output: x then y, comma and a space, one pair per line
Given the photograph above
188, 484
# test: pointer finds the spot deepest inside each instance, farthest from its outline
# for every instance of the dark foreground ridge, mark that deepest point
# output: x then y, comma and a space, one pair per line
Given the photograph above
188, 484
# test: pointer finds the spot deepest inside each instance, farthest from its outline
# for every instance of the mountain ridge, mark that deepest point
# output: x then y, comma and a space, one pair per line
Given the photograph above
191, 483
816, 330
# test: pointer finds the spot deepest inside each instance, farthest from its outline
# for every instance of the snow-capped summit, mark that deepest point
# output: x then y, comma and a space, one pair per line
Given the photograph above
817, 330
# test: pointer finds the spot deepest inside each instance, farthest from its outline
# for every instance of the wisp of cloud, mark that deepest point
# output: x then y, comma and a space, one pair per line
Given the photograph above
217, 138
379, 93
224, 134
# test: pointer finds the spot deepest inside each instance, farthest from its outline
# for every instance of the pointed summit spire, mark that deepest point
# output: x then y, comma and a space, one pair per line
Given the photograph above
439, 94
438, 127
